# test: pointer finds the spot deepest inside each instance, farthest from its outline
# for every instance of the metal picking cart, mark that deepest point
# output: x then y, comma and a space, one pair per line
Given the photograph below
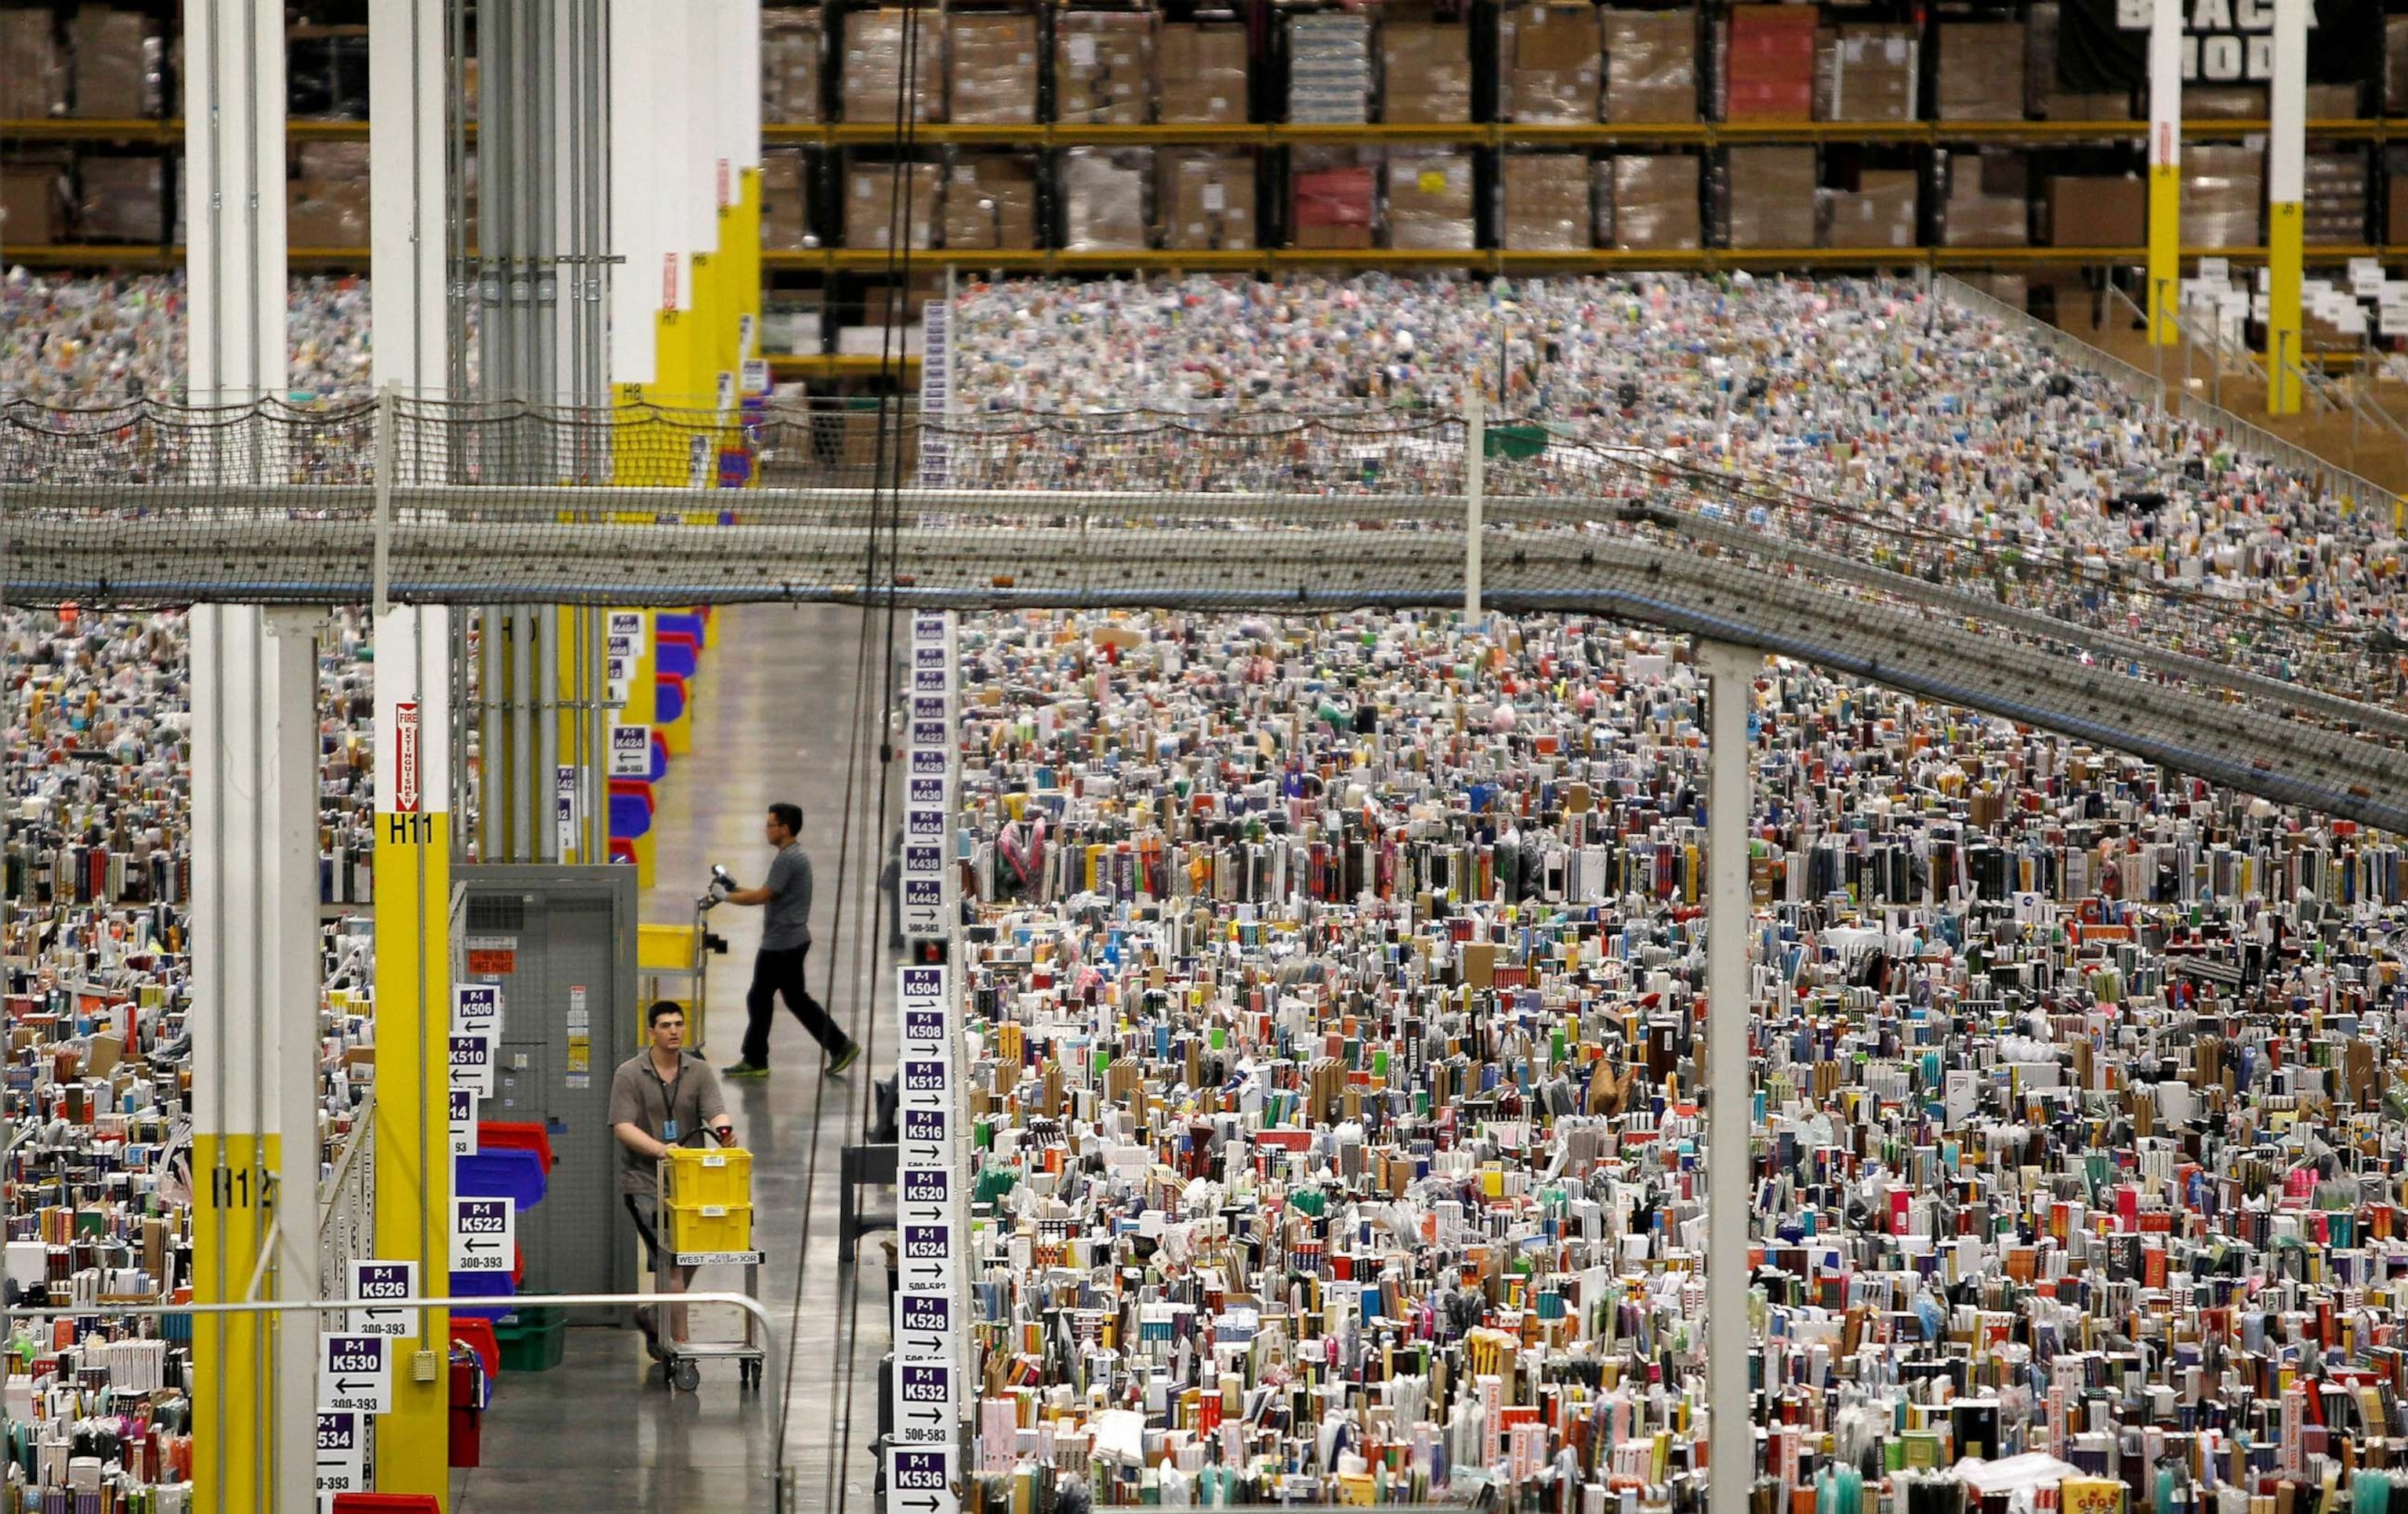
706, 1220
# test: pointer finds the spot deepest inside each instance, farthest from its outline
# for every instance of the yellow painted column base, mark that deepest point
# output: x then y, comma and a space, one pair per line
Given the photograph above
2164, 295
234, 1356
2283, 354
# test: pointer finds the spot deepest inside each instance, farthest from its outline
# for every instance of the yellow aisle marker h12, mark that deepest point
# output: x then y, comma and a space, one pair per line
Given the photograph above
2285, 176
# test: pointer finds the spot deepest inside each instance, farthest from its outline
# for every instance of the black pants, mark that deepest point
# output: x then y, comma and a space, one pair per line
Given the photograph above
781, 972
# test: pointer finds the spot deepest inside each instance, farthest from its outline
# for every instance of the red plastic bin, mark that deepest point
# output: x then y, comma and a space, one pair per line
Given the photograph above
517, 1135
373, 1502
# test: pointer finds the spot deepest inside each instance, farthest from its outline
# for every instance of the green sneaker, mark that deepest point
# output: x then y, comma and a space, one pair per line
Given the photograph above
744, 1069
846, 1058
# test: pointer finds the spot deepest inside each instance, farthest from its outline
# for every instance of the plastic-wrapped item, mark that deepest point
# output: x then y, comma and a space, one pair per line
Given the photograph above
1867, 73
994, 69
326, 73
1430, 200
1768, 196
2223, 102
2334, 102
785, 201
1329, 68
1655, 201
121, 199
1105, 198
872, 218
1988, 200
1208, 200
1981, 72
1332, 207
2333, 210
1547, 202
1650, 66
991, 201
1769, 63
1549, 63
2395, 64
34, 198
326, 201
2223, 192
116, 63
1878, 212
1424, 71
1203, 69
33, 66
1103, 67
791, 45
874, 49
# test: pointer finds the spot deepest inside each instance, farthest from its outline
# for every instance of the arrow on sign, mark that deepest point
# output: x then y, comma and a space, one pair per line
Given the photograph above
352, 1385
925, 1211
473, 1244
930, 1343
929, 1503
934, 1273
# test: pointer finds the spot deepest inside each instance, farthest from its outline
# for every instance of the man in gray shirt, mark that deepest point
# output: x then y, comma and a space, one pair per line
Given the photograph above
785, 940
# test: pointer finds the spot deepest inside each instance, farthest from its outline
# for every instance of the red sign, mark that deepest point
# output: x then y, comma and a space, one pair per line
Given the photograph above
488, 961
405, 759
725, 200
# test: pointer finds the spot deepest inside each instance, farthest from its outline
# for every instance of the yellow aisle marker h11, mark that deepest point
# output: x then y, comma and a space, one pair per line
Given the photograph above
2285, 176
414, 1022
2164, 292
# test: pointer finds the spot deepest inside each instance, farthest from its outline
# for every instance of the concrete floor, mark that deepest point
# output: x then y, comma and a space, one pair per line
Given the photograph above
772, 721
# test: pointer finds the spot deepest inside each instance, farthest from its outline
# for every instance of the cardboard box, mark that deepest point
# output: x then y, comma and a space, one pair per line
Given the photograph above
2223, 102
869, 215
1988, 203
791, 44
785, 201
34, 200
1867, 73
2333, 210
33, 66
1203, 70
1547, 202
117, 61
1981, 73
121, 199
1770, 196
1654, 203
1650, 66
1104, 198
1879, 212
2394, 65
1768, 64
1103, 67
1329, 68
2059, 107
1331, 207
873, 43
1551, 62
993, 69
2334, 102
1429, 200
2395, 223
1426, 72
1208, 200
2223, 193
991, 201
2085, 210
326, 200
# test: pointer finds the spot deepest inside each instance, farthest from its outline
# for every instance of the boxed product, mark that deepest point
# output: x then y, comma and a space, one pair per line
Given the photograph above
874, 50
785, 201
1208, 200
1988, 200
1981, 72
2223, 190
991, 201
2223, 102
2090, 210
1654, 201
116, 63
2062, 107
1329, 68
1103, 67
994, 69
1425, 71
326, 72
1768, 196
1547, 202
1203, 70
1650, 66
1878, 212
1549, 59
2332, 102
1769, 63
33, 199
2395, 209
870, 214
791, 41
1430, 200
1105, 198
1331, 207
326, 200
1867, 73
2333, 208
2395, 66
121, 199
33, 67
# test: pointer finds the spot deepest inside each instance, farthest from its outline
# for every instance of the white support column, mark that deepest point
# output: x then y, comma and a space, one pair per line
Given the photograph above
2287, 158
2165, 170
255, 1156
1729, 1116
640, 236
233, 199
406, 196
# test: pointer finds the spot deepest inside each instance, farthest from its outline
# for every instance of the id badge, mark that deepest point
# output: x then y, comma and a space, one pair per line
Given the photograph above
670, 1131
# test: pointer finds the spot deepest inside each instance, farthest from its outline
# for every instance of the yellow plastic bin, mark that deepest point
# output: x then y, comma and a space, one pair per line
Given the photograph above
708, 1227
701, 1177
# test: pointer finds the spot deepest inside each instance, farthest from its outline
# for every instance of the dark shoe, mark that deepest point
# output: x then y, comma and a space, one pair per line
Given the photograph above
651, 1335
846, 1058
744, 1069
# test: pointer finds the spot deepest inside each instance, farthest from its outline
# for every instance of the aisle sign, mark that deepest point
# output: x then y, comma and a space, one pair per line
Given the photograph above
925, 1194
472, 1064
484, 1233
631, 751
923, 1327
626, 635
464, 1121
925, 1082
924, 1409
476, 1009
919, 1480
373, 1279
927, 1258
926, 884
355, 1373
928, 1138
342, 1451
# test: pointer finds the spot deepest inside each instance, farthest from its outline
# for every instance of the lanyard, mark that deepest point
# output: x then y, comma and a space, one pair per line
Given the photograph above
668, 1090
